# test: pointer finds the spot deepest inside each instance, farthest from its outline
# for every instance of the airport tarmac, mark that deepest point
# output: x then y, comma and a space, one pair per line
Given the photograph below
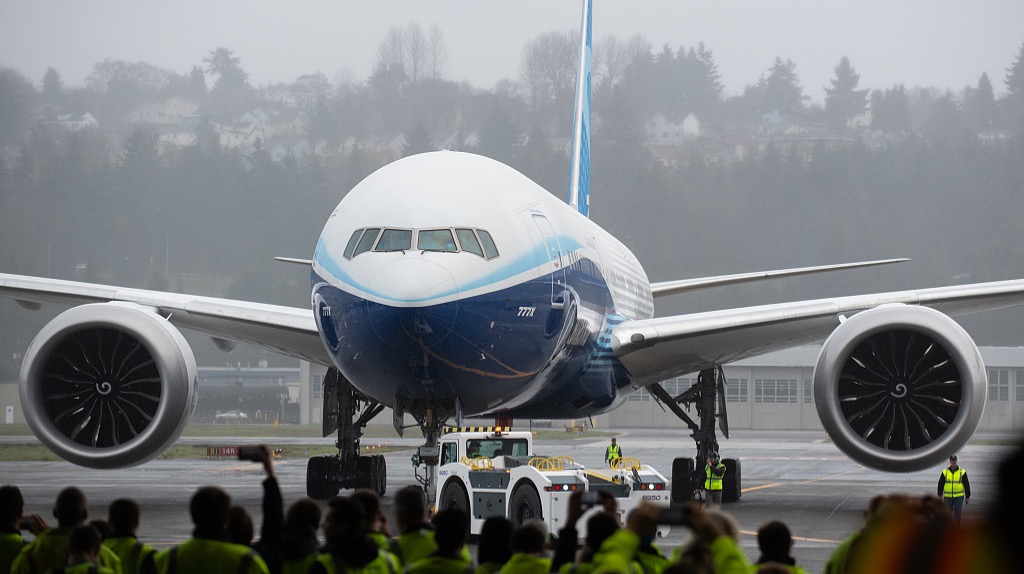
798, 477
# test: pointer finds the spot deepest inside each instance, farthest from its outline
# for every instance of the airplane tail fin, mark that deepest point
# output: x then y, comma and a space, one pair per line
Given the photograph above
579, 166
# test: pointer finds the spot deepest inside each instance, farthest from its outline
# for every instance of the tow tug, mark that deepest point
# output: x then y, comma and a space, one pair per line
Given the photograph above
495, 472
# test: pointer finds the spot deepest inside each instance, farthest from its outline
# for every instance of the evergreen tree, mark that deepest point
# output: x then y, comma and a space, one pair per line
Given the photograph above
1014, 79
890, 110
706, 93
499, 136
980, 105
16, 93
843, 99
53, 88
417, 140
781, 90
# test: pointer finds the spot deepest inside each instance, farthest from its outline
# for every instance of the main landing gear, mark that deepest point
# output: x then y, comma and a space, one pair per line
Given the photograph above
688, 474
347, 411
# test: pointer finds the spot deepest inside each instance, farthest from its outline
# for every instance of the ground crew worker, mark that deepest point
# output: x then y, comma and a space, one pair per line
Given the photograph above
209, 549
613, 452
529, 549
714, 472
349, 550
12, 505
954, 488
450, 528
84, 543
50, 548
136, 557
776, 544
415, 538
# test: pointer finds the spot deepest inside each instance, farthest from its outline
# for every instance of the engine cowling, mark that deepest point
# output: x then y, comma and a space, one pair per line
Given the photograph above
900, 388
108, 385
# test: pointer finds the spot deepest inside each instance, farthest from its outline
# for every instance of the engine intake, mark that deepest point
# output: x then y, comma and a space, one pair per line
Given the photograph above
108, 385
900, 388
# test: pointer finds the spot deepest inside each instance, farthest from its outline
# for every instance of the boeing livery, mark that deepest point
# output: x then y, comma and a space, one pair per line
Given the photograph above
447, 284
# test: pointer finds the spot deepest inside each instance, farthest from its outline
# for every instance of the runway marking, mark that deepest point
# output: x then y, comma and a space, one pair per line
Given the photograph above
800, 538
762, 486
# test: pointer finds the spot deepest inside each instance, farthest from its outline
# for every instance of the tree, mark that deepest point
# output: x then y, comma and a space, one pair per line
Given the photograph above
1014, 79
16, 93
781, 90
980, 105
548, 74
437, 54
890, 110
417, 140
843, 100
705, 81
227, 67
499, 136
53, 87
309, 89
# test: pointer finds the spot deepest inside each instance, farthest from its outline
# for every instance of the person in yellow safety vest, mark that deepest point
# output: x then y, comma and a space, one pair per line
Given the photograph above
775, 542
492, 550
450, 528
136, 557
84, 545
613, 452
529, 546
376, 523
209, 549
954, 488
298, 541
714, 473
349, 550
12, 505
49, 549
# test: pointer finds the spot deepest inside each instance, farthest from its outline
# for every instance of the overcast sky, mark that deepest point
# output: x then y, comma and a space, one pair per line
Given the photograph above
942, 43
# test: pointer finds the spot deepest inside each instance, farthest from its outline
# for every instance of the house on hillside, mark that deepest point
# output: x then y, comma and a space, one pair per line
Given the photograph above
665, 131
280, 147
173, 110
77, 121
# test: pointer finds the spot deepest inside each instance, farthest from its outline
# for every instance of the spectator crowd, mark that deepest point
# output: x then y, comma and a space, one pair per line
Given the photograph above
901, 533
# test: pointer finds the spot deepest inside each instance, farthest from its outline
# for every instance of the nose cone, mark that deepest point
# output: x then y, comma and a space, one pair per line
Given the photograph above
425, 304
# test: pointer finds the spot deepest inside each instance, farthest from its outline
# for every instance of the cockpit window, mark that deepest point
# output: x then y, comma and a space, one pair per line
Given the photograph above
490, 250
436, 240
395, 240
352, 241
469, 242
366, 241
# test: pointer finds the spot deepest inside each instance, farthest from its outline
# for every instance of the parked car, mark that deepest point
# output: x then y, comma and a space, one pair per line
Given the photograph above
231, 416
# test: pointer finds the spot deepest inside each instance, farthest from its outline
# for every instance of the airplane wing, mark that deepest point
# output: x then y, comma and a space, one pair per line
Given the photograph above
660, 348
287, 330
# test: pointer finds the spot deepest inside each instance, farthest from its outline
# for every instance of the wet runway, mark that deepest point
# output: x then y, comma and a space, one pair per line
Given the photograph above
794, 476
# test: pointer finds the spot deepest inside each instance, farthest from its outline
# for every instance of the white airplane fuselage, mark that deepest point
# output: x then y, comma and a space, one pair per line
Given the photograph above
413, 304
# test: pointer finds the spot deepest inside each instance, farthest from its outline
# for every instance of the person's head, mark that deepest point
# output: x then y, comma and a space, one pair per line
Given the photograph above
302, 517
12, 506
774, 540
494, 541
371, 508
713, 457
600, 526
410, 507
725, 523
613, 440
123, 516
530, 538
450, 529
71, 508
344, 520
952, 461
240, 528
83, 544
209, 508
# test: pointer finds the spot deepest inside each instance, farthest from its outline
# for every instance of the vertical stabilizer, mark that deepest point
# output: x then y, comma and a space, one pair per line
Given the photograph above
579, 166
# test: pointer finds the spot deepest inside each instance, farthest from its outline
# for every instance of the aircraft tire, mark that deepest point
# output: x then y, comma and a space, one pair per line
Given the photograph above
364, 477
321, 477
732, 487
380, 475
454, 495
682, 480
524, 505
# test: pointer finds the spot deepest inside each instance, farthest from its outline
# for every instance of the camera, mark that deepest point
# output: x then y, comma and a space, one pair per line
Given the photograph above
673, 515
253, 453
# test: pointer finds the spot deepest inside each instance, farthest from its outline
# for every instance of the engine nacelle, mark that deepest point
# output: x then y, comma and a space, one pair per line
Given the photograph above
108, 385
900, 388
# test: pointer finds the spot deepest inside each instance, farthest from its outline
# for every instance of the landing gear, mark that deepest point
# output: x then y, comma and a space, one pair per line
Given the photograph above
430, 416
708, 395
347, 411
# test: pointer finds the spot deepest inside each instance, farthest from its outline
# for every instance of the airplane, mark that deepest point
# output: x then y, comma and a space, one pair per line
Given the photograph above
447, 285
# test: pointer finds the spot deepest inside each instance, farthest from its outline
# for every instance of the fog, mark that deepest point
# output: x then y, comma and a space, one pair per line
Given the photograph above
946, 44
927, 161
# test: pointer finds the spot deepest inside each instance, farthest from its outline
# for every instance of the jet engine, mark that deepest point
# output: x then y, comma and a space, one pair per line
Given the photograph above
108, 385
900, 388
